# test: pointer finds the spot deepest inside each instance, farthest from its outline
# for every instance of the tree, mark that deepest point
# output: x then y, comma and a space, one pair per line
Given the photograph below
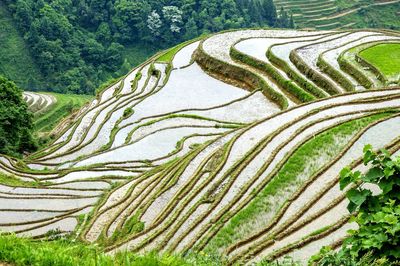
103, 33
93, 51
270, 12
16, 122
154, 23
191, 29
81, 38
24, 13
283, 19
173, 16
129, 19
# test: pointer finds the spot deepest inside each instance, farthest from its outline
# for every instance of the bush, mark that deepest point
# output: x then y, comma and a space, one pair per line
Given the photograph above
128, 112
377, 240
16, 122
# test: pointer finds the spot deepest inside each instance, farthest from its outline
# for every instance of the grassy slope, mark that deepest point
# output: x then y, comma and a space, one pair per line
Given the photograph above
385, 57
386, 16
16, 62
15, 182
344, 4
19, 251
137, 54
372, 17
66, 104
67, 252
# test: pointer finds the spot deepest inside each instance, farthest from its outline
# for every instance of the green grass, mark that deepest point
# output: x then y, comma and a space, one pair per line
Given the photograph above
287, 176
67, 252
16, 182
137, 54
16, 62
66, 104
168, 56
385, 57
20, 251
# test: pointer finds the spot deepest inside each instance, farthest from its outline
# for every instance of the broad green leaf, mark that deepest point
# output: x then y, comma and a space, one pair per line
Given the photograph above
372, 175
389, 164
344, 182
381, 238
391, 219
386, 185
379, 217
388, 172
367, 147
358, 197
345, 172
394, 252
369, 154
351, 207
385, 153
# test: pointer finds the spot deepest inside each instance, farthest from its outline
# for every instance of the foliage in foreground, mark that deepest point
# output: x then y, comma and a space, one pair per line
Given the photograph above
65, 252
16, 122
21, 251
377, 240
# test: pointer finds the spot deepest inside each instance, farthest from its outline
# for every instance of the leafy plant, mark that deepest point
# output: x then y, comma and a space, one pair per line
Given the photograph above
16, 122
375, 199
128, 112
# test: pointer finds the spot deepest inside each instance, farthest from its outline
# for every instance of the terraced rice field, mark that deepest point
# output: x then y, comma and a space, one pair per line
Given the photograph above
52, 111
231, 145
39, 102
330, 14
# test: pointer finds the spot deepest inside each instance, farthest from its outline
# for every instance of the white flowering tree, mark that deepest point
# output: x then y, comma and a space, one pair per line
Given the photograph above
173, 15
154, 23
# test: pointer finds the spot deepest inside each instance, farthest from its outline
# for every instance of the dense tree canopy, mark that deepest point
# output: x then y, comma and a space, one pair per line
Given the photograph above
78, 44
15, 121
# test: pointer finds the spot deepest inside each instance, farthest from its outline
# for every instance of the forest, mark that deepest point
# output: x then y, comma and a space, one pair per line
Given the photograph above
78, 44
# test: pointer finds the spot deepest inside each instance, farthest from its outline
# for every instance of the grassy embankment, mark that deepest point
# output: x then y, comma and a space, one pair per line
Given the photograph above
386, 58
65, 105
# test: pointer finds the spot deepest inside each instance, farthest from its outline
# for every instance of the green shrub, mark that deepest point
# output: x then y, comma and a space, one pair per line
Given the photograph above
377, 239
128, 112
16, 122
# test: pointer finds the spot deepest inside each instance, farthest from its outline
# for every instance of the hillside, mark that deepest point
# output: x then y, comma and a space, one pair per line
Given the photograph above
16, 61
53, 111
339, 14
79, 45
229, 145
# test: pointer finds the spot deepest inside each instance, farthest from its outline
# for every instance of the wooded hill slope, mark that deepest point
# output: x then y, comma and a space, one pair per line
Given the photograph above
230, 145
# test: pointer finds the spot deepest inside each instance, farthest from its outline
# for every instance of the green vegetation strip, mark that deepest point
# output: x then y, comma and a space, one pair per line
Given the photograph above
16, 182
348, 64
287, 175
290, 88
